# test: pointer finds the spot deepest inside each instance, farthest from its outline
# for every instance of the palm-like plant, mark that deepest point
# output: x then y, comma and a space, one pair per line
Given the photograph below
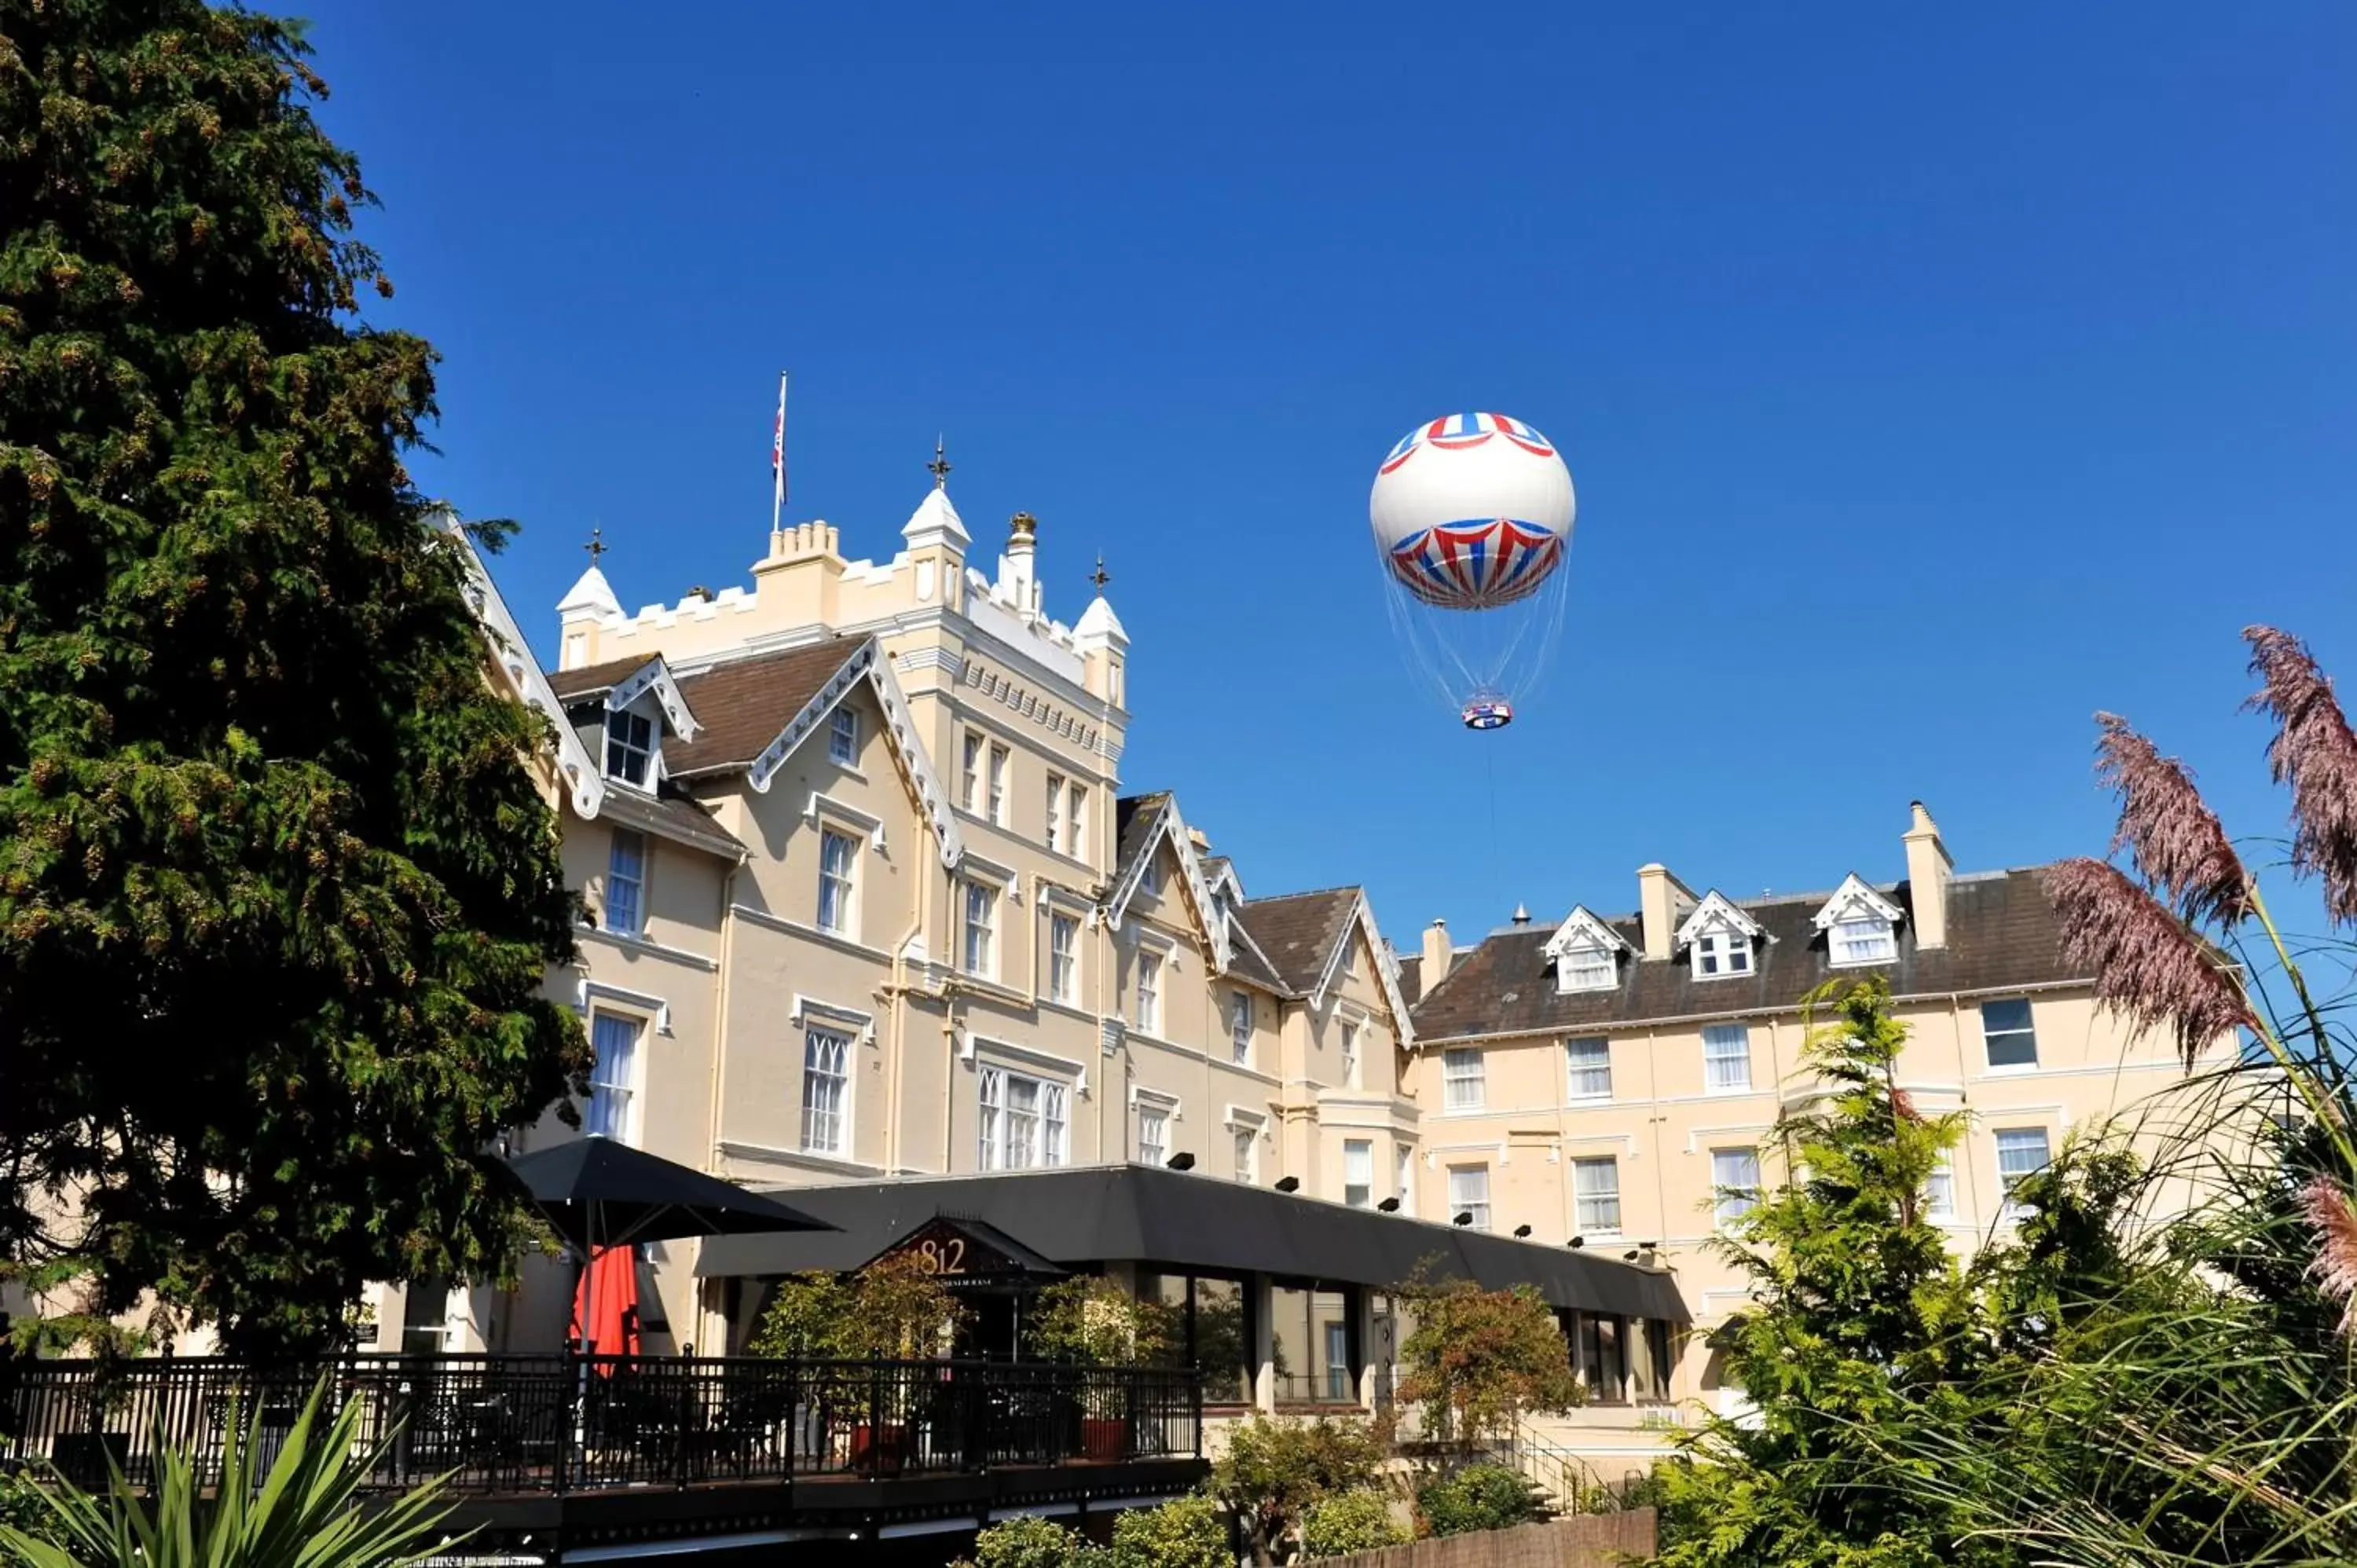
299, 1509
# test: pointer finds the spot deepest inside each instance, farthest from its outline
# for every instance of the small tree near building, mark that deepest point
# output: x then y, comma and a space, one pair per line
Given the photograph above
1478, 1361
1274, 1471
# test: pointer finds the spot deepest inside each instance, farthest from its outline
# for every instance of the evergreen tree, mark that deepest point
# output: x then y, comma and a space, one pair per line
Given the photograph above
277, 893
1856, 1331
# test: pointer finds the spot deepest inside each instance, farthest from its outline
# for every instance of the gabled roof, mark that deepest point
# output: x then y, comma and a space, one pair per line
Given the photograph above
1716, 911
1854, 899
1306, 936
1580, 928
1146, 822
583, 780
622, 681
2002, 934
757, 710
592, 680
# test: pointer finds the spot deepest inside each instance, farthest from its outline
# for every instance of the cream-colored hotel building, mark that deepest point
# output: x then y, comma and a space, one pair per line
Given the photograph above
872, 916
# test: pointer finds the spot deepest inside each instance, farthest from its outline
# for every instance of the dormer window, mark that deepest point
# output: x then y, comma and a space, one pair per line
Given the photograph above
1720, 940
629, 746
1861, 925
1587, 954
1717, 953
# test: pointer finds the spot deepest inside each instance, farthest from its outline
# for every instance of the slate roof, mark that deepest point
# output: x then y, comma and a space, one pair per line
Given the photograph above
743, 704
2002, 933
1299, 931
592, 678
670, 817
1133, 817
1411, 979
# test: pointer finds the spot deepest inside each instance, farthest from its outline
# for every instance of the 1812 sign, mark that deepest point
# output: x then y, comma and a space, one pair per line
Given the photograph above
943, 1256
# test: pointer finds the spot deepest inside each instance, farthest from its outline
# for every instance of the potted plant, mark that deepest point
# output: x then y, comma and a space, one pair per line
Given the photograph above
893, 1311
1091, 1321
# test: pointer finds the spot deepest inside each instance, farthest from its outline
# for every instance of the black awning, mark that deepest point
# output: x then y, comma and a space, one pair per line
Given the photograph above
1142, 1214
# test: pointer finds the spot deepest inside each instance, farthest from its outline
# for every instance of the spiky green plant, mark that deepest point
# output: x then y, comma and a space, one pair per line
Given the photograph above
301, 1508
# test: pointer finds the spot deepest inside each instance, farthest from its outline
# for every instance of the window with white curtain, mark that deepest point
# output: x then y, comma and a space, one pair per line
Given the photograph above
626, 882
1247, 1154
1153, 1135
1939, 1189
1056, 811
1406, 1193
1588, 967
1063, 958
1240, 1027
1469, 1193
1076, 821
2021, 1153
1349, 1054
1726, 1058
970, 772
826, 1091
1025, 1121
843, 737
1462, 1083
998, 785
1590, 1064
1862, 939
613, 1075
838, 857
1735, 1184
1358, 1173
978, 949
1149, 989
1596, 1195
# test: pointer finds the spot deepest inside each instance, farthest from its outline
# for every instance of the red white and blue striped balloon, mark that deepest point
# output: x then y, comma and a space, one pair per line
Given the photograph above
1472, 515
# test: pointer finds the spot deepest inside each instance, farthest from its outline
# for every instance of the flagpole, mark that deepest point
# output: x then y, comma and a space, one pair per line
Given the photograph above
778, 460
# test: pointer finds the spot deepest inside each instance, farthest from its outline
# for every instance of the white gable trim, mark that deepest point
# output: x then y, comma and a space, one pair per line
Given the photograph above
584, 780
1715, 913
866, 663
1168, 829
1853, 900
655, 676
1582, 930
1362, 922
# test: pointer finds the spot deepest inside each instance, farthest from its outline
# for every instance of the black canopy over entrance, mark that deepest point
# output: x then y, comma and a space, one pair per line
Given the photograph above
598, 1193
1169, 1219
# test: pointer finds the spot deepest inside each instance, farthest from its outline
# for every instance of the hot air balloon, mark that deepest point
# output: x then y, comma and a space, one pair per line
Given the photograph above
1472, 517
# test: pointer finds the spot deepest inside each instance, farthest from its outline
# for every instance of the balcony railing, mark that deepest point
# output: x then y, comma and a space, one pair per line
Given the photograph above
510, 1424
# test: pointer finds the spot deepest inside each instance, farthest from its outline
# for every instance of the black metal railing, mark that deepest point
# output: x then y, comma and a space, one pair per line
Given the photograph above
566, 1423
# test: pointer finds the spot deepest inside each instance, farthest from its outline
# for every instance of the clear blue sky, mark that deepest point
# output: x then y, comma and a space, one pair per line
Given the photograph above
1931, 376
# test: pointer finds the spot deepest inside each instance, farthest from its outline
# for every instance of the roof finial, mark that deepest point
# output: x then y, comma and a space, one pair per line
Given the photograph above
596, 545
1100, 577
940, 467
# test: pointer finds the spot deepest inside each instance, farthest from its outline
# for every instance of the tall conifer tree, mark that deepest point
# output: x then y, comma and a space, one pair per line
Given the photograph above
277, 894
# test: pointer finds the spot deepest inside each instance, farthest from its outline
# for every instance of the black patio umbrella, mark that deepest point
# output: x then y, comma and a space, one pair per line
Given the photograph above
595, 1192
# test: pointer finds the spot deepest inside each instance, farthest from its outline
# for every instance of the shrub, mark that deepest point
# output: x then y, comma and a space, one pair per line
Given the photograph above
1478, 1497
1273, 1470
1348, 1523
1185, 1532
1028, 1541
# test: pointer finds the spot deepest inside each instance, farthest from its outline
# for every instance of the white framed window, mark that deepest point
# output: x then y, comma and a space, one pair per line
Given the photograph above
826, 1092
1406, 1177
1076, 820
1240, 1027
1590, 968
1064, 957
1462, 1080
1351, 1053
838, 859
629, 746
1861, 938
1056, 811
613, 1075
1026, 1122
843, 737
1734, 1183
978, 929
1595, 1196
1248, 1156
1726, 1058
1589, 1065
2021, 1153
625, 882
998, 785
1149, 989
970, 772
2006, 1027
1939, 1189
1359, 1173
1149, 877
1153, 1135
1720, 953
1469, 1193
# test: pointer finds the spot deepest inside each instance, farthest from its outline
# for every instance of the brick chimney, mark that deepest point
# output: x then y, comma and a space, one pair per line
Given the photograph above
1929, 870
1662, 904
1437, 956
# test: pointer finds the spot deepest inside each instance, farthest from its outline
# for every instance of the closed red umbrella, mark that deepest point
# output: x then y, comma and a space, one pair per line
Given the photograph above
605, 1308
